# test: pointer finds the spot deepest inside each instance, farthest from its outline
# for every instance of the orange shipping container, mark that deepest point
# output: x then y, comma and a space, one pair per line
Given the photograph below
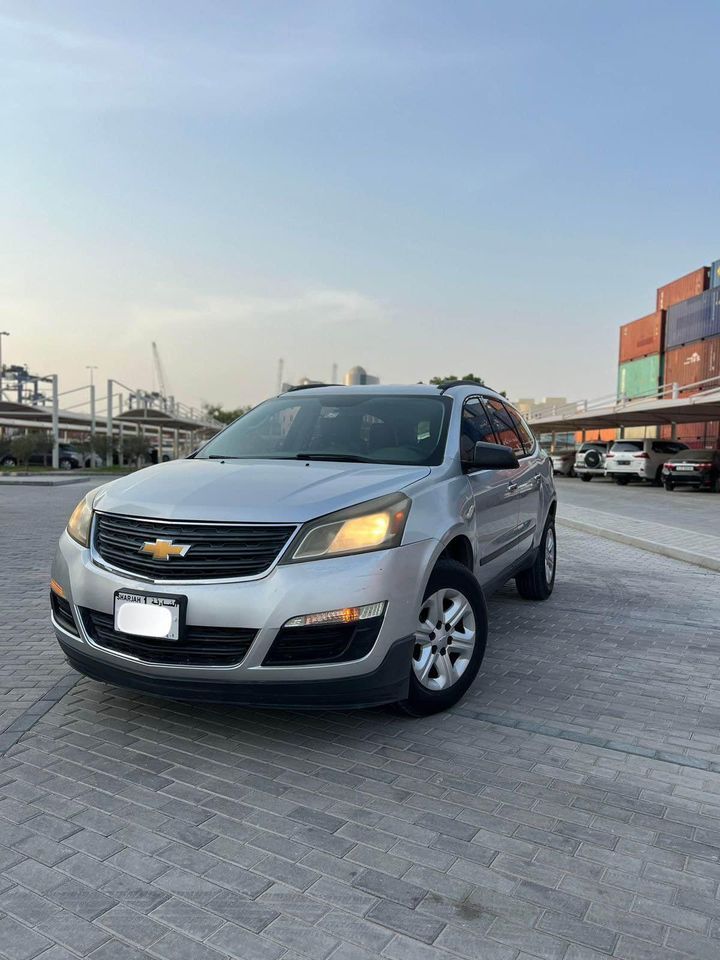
685, 287
591, 435
699, 436
692, 363
642, 337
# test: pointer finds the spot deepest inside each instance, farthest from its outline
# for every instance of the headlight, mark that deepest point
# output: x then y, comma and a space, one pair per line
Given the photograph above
79, 523
374, 525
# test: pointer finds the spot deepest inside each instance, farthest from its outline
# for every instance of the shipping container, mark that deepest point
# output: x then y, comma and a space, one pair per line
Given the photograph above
640, 433
642, 337
694, 319
699, 436
682, 289
693, 363
590, 435
715, 274
640, 378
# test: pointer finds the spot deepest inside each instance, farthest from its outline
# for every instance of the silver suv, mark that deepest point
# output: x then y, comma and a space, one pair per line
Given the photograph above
332, 548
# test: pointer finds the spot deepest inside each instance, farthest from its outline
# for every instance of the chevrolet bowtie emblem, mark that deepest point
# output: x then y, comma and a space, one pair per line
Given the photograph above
164, 549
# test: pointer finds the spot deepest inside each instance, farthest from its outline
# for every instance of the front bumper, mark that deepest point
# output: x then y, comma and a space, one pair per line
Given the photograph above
264, 605
388, 683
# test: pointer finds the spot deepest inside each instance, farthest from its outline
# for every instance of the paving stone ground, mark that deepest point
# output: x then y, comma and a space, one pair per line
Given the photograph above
568, 809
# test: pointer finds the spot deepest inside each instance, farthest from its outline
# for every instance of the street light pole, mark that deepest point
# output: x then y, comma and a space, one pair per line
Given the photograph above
92, 416
3, 333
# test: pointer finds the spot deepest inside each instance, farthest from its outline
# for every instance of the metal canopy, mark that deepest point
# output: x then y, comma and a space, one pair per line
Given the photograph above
700, 408
159, 418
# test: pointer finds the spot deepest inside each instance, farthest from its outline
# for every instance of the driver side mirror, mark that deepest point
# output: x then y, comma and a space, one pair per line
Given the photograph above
493, 456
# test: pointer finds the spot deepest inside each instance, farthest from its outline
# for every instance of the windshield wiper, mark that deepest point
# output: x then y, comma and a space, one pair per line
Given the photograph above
340, 457
215, 456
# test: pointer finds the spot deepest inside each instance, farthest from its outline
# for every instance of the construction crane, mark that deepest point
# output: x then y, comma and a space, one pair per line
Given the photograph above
159, 372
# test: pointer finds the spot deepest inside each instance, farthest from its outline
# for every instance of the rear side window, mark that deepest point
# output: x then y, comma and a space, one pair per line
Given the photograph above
476, 427
668, 447
504, 427
524, 432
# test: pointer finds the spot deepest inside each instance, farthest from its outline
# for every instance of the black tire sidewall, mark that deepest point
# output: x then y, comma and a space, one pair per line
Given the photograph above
449, 573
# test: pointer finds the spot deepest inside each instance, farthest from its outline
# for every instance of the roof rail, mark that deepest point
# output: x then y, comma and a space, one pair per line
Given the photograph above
311, 386
447, 384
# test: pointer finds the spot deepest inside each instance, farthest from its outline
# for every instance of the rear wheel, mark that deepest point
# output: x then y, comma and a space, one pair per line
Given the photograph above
449, 640
622, 481
537, 582
587, 477
669, 485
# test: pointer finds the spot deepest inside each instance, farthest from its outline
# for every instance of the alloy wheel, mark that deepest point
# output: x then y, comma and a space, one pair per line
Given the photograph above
549, 554
444, 639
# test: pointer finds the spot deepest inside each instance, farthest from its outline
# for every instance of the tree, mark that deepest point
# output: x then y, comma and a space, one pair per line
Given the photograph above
468, 376
23, 446
217, 412
134, 448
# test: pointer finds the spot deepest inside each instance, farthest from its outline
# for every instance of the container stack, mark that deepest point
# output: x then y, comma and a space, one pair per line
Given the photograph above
678, 343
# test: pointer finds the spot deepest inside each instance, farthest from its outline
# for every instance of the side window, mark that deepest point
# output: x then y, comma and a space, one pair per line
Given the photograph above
476, 427
504, 427
526, 435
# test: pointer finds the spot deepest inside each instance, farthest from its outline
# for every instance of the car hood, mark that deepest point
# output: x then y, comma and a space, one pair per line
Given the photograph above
268, 491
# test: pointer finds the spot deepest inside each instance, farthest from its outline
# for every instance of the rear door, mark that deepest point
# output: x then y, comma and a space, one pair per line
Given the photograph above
496, 514
514, 432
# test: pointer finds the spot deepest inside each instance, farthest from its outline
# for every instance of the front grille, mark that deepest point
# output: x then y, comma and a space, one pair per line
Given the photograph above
217, 550
335, 643
62, 611
201, 646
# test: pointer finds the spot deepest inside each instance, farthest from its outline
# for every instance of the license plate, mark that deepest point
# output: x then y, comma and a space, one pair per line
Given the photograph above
623, 463
684, 466
158, 615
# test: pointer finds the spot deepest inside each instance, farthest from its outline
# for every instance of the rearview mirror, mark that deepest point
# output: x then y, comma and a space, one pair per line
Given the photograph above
494, 456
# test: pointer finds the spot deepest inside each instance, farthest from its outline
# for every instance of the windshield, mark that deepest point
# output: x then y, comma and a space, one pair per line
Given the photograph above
701, 455
372, 428
628, 446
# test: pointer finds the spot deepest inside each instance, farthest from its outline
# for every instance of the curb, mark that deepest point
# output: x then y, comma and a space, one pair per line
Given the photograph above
651, 546
41, 481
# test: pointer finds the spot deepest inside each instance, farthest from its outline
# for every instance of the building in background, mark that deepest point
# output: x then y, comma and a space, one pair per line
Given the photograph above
358, 376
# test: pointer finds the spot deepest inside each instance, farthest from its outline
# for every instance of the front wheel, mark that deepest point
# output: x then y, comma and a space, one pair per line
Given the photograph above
537, 582
587, 477
669, 485
622, 481
450, 640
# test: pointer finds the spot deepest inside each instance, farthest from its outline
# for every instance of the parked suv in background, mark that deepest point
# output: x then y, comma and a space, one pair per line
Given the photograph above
563, 462
639, 459
696, 468
332, 548
590, 459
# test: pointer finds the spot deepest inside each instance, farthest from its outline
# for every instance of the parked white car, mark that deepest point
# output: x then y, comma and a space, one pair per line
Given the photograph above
563, 462
639, 459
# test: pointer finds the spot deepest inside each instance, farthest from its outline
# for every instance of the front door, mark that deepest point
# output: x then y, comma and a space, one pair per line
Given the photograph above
512, 431
494, 495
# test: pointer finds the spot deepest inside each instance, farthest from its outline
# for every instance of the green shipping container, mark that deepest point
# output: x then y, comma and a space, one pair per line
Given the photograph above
640, 378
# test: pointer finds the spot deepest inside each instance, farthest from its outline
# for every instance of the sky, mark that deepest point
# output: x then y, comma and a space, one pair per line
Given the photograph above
423, 187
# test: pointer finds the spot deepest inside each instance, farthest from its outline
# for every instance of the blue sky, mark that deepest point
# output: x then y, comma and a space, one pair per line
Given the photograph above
420, 187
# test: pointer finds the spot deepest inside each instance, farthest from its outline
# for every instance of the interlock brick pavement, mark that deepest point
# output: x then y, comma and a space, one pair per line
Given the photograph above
567, 809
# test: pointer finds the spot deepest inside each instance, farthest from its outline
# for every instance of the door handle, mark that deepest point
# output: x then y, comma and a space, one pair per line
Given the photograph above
512, 486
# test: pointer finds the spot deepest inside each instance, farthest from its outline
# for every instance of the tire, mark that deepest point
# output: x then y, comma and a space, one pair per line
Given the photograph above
8, 462
669, 485
658, 481
450, 582
622, 481
586, 477
537, 582
66, 464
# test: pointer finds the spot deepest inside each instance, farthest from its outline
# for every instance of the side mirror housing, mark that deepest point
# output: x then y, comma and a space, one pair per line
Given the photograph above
493, 456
